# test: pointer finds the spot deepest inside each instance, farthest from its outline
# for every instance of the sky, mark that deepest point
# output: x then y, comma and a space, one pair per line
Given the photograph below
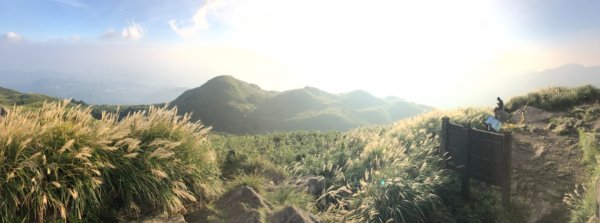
436, 52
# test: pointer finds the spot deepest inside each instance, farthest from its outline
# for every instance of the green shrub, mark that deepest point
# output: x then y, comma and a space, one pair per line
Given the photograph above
61, 164
556, 98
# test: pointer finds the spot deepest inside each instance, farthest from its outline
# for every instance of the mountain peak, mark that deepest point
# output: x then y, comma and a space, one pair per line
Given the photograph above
228, 81
223, 77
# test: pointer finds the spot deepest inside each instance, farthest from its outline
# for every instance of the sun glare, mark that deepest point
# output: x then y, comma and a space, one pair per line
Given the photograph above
409, 41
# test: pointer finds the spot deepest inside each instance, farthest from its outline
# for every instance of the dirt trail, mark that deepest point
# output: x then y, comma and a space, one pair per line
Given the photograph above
546, 163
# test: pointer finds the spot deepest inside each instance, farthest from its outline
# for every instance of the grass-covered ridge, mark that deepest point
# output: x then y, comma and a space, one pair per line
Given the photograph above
10, 97
556, 98
60, 163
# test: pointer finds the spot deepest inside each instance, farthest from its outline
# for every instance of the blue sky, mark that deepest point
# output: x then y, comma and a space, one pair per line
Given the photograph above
42, 20
410, 49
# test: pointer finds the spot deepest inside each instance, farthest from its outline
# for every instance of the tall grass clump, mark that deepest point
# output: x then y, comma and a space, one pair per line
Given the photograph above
556, 98
396, 176
60, 164
582, 201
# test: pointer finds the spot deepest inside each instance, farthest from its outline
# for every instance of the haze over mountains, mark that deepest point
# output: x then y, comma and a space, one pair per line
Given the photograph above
92, 89
234, 106
230, 105
568, 75
149, 89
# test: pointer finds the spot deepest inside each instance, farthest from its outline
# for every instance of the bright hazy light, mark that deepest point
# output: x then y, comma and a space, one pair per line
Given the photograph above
335, 44
436, 52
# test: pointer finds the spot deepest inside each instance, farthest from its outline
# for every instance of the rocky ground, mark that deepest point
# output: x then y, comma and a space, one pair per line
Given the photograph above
244, 204
546, 160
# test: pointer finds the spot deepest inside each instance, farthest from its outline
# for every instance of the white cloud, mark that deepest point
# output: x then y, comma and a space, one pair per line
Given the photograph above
199, 22
75, 38
132, 32
11, 37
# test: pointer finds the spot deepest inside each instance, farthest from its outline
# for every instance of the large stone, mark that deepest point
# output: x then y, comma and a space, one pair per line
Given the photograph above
536, 130
563, 129
293, 215
242, 194
502, 115
242, 204
530, 114
314, 185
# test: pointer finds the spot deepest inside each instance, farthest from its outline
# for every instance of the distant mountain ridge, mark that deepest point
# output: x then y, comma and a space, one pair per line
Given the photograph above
234, 106
567, 75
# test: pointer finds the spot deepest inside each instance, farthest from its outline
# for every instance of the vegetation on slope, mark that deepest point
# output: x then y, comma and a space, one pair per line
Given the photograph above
373, 174
59, 163
233, 106
10, 97
582, 201
556, 98
121, 111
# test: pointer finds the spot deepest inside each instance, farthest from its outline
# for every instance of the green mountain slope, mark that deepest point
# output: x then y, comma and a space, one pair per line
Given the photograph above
222, 102
10, 97
233, 106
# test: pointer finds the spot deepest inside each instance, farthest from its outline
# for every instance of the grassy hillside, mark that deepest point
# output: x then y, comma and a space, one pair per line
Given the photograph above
63, 165
233, 106
373, 174
222, 102
557, 98
10, 97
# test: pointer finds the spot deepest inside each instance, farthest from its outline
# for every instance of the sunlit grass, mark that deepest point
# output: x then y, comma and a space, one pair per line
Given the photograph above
556, 98
379, 174
60, 163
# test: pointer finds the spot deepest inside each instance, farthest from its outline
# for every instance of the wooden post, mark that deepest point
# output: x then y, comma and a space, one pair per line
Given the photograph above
465, 180
444, 140
507, 169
